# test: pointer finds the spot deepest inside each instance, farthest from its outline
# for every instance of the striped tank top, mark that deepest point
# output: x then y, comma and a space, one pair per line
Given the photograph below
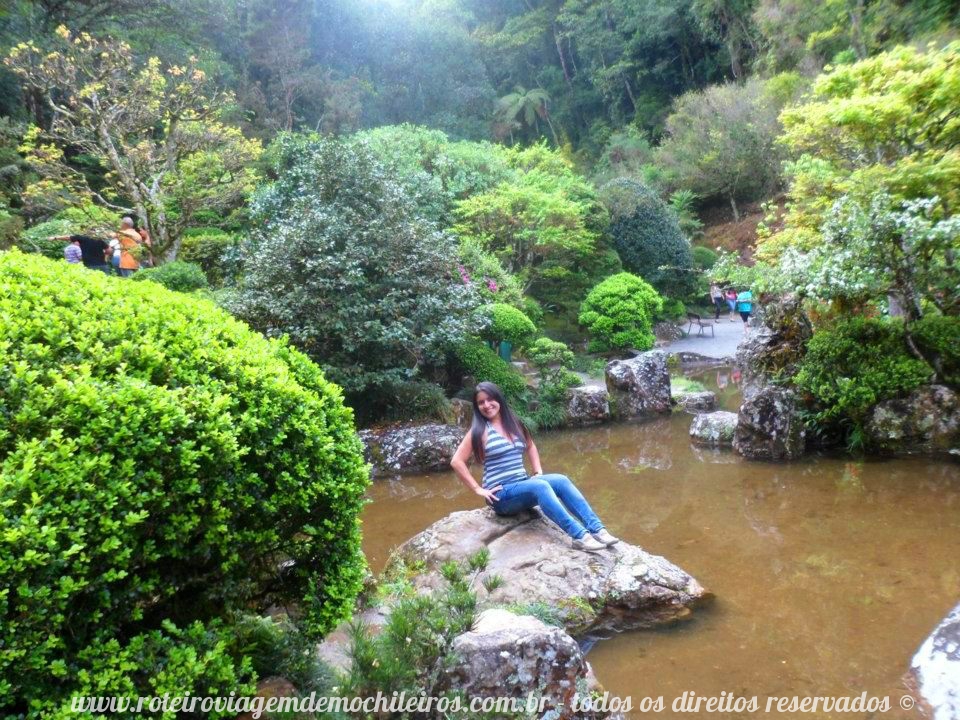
503, 460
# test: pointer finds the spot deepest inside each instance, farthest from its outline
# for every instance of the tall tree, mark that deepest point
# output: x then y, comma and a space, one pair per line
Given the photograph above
155, 130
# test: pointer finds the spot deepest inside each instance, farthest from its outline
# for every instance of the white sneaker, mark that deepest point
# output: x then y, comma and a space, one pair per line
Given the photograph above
588, 544
604, 537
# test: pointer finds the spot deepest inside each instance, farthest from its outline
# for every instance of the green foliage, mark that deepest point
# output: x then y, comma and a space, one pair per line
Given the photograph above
36, 239
277, 648
673, 311
213, 250
681, 383
851, 366
177, 275
544, 225
553, 359
482, 364
682, 203
881, 125
411, 653
414, 400
938, 337
492, 282
619, 313
871, 250
159, 460
720, 143
703, 258
551, 405
340, 261
547, 614
648, 238
506, 323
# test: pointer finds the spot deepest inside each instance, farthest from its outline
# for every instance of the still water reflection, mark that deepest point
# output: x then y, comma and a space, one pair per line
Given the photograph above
828, 573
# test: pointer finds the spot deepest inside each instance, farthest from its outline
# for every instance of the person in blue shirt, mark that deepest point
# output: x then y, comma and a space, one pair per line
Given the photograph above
745, 306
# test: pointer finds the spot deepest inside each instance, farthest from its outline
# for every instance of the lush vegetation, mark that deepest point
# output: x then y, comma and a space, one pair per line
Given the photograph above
390, 189
163, 470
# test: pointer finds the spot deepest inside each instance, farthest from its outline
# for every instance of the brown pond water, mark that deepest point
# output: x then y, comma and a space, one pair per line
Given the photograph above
828, 573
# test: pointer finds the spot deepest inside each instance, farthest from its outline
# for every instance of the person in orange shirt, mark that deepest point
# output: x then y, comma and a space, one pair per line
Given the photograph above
129, 241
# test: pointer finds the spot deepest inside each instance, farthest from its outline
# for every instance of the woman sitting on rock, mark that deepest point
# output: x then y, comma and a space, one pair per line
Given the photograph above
498, 439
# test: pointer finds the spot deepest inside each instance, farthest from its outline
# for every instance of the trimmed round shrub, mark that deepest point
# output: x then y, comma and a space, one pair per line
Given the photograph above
852, 365
673, 310
162, 467
619, 313
484, 364
507, 323
176, 275
648, 238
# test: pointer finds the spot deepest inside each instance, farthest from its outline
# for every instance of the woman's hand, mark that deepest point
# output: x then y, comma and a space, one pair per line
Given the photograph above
489, 495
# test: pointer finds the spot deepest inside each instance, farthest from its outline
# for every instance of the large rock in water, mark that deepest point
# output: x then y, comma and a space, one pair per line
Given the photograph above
619, 588
639, 387
696, 402
777, 340
411, 449
716, 428
769, 426
936, 669
926, 421
515, 656
587, 405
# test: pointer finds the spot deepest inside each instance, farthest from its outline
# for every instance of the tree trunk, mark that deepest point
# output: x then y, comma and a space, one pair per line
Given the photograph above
856, 30
563, 60
736, 212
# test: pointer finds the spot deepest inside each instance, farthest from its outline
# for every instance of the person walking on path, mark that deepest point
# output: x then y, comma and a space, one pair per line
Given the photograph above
93, 251
129, 245
499, 440
716, 297
731, 296
745, 305
72, 252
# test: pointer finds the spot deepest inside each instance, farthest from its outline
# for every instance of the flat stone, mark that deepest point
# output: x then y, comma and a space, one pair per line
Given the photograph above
410, 448
925, 422
619, 588
935, 669
695, 402
716, 428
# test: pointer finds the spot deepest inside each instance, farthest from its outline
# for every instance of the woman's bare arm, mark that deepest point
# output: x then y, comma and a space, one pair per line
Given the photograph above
459, 464
534, 457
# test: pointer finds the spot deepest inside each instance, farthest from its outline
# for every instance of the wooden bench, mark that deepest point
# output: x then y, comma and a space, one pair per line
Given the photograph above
700, 323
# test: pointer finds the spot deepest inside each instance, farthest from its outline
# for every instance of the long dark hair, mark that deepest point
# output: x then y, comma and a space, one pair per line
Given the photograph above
511, 423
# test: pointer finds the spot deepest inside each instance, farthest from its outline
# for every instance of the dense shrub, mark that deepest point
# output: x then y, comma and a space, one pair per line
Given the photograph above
619, 313
159, 461
507, 323
340, 260
482, 363
854, 364
35, 239
177, 275
703, 258
938, 337
648, 239
213, 250
673, 310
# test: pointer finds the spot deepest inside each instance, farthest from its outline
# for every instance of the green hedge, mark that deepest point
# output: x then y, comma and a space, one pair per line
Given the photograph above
619, 313
852, 365
177, 275
484, 364
507, 323
159, 461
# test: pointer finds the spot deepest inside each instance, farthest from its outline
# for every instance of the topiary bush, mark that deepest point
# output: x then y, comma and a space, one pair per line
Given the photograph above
619, 313
482, 363
159, 463
703, 258
648, 238
507, 323
852, 365
177, 275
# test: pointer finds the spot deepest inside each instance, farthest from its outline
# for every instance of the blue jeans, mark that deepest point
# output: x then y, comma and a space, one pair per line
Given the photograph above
558, 499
